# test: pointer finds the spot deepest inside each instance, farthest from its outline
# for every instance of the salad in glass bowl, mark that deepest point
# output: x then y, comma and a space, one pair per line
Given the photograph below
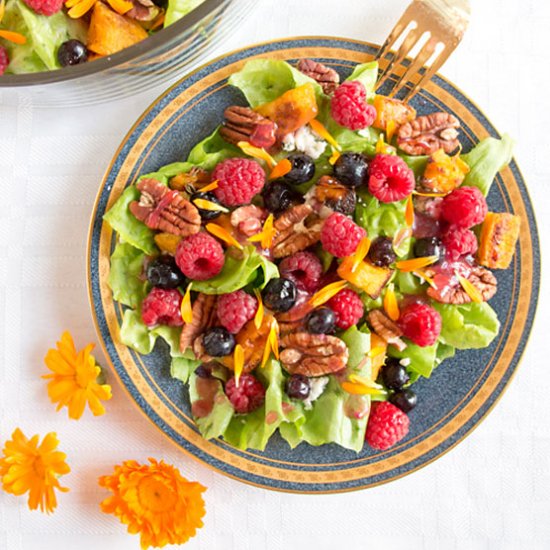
312, 258
43, 35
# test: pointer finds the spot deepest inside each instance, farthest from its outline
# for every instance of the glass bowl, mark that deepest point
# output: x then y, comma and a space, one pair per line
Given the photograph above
153, 61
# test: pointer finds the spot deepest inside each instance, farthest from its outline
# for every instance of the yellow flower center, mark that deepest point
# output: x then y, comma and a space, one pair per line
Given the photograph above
155, 496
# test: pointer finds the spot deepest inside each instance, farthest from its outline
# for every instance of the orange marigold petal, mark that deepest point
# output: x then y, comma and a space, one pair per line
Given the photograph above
320, 129
326, 293
204, 204
11, 36
334, 157
257, 153
238, 359
360, 253
222, 234
120, 6
409, 211
474, 294
81, 8
390, 303
416, 263
259, 315
282, 168
186, 308
209, 187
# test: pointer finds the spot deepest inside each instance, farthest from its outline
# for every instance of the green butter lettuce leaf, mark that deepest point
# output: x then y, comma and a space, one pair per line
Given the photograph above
44, 36
381, 219
327, 422
169, 171
182, 368
407, 283
263, 80
422, 359
125, 277
468, 326
179, 8
128, 227
212, 150
444, 352
358, 343
486, 159
216, 423
135, 334
252, 268
367, 74
416, 164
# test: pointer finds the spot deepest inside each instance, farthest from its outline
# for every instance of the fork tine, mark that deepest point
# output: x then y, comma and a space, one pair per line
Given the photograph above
410, 41
430, 71
396, 32
423, 56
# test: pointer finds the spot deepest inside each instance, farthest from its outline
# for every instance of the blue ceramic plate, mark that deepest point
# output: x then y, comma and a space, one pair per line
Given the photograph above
453, 401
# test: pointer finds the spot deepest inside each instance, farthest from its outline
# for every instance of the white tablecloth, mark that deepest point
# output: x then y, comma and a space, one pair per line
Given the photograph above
492, 491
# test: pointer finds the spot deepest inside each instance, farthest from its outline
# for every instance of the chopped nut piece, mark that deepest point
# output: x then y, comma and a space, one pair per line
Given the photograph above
426, 134
328, 78
481, 278
244, 124
164, 209
297, 229
386, 329
204, 316
248, 219
313, 354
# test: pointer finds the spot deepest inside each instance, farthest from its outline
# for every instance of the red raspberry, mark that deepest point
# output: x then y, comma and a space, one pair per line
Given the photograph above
200, 256
464, 207
162, 307
347, 307
390, 179
340, 236
4, 60
421, 324
248, 396
459, 242
236, 309
238, 181
349, 106
387, 425
304, 269
44, 7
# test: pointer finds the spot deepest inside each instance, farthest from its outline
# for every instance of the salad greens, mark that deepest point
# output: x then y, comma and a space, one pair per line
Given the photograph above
326, 419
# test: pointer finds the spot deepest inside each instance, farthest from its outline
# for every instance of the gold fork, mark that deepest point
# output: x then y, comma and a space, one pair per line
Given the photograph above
437, 23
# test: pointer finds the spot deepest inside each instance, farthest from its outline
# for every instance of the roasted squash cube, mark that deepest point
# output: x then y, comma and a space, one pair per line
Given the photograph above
391, 109
167, 242
367, 277
110, 32
294, 109
443, 173
499, 234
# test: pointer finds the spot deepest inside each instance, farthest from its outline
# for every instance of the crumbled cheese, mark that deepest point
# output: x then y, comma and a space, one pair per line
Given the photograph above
405, 361
305, 141
318, 386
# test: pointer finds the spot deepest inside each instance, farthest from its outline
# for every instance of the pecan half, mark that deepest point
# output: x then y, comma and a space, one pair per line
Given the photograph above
426, 134
328, 78
204, 316
296, 229
313, 354
248, 219
244, 124
293, 319
165, 209
454, 294
384, 327
143, 10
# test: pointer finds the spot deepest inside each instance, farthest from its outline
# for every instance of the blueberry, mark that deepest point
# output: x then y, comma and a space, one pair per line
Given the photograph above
218, 342
206, 214
298, 386
278, 196
404, 400
72, 52
303, 169
352, 169
321, 321
164, 272
394, 375
202, 371
381, 252
429, 246
279, 294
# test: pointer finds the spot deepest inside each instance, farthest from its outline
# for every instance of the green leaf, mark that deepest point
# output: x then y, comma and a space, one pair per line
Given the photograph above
182, 368
135, 334
468, 326
381, 219
210, 151
358, 343
167, 172
44, 35
263, 80
216, 423
486, 159
407, 283
125, 277
128, 227
238, 273
416, 164
422, 358
367, 74
444, 352
179, 8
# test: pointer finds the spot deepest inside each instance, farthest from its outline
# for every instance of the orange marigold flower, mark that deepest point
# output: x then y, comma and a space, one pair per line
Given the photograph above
29, 467
155, 501
74, 378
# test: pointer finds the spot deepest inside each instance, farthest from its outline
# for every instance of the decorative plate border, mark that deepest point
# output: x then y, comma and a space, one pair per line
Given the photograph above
252, 467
